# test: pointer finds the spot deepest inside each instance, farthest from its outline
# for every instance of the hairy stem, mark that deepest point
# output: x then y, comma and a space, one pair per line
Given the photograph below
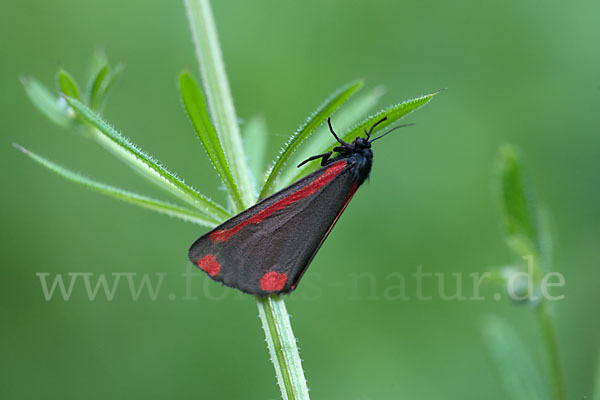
283, 349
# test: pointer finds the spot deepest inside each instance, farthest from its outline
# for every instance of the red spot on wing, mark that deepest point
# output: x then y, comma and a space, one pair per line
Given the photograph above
310, 189
273, 281
209, 264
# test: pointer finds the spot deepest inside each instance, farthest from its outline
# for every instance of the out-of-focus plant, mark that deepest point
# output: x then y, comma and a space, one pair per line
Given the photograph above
528, 235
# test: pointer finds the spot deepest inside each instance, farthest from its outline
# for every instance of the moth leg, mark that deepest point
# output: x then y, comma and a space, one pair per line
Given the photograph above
324, 157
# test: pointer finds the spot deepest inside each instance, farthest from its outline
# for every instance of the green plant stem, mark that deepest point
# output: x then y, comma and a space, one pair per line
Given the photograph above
220, 101
283, 349
276, 321
545, 319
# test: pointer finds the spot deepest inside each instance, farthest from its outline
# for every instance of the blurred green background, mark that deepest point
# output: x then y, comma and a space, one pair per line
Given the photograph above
522, 72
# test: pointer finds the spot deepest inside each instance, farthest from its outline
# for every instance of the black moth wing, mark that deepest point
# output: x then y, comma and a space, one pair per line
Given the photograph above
266, 248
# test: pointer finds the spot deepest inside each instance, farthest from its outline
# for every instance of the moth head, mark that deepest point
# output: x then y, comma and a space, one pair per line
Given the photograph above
361, 143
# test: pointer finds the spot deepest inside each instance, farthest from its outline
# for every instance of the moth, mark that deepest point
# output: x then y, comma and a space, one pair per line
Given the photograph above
266, 248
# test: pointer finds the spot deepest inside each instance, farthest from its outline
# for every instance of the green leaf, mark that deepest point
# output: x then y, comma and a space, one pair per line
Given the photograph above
220, 101
316, 119
67, 85
355, 110
95, 86
254, 134
107, 84
102, 77
393, 113
98, 61
133, 156
513, 362
46, 102
345, 117
519, 213
133, 198
195, 105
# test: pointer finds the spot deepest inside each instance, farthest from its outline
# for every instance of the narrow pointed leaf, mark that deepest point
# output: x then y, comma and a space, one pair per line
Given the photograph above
393, 114
95, 86
133, 198
195, 106
46, 102
254, 134
107, 84
519, 213
67, 85
133, 156
513, 362
316, 119
220, 101
102, 77
98, 61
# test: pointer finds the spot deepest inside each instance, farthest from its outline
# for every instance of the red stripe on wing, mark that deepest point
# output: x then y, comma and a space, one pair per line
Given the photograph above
223, 235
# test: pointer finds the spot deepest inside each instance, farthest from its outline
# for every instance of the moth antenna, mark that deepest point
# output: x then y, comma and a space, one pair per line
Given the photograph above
373, 126
391, 130
340, 141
